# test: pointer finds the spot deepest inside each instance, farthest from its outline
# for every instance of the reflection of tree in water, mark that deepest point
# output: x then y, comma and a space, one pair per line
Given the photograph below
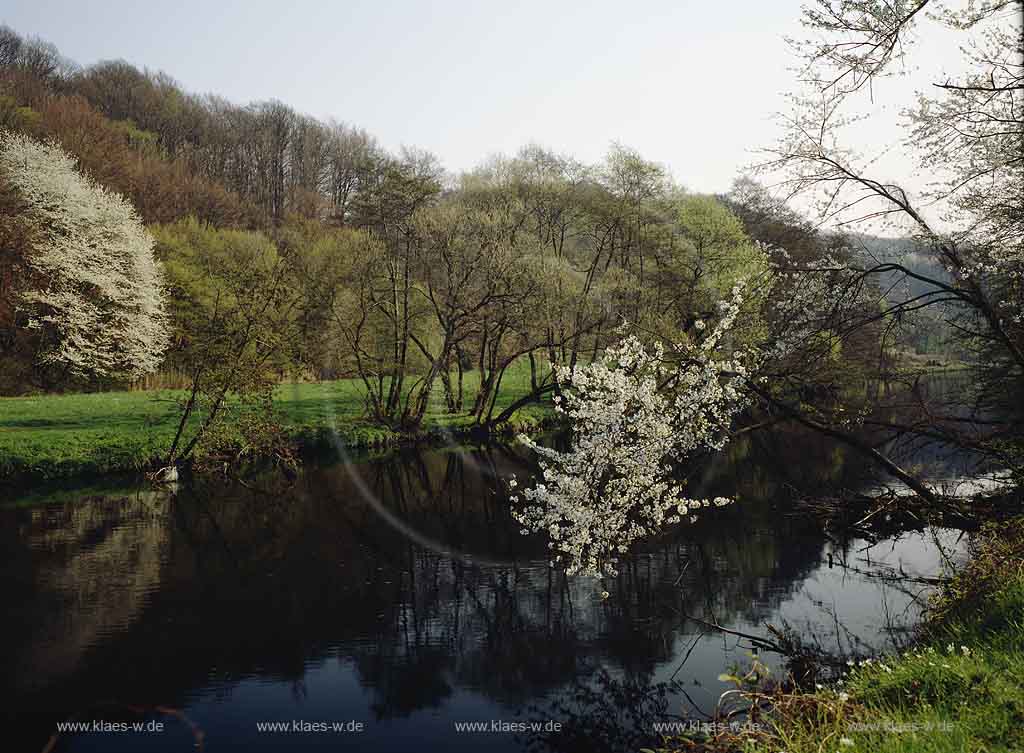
83, 571
267, 583
407, 683
603, 714
513, 631
520, 631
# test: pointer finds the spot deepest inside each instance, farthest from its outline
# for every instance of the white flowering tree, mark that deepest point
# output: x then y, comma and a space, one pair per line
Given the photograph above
95, 289
636, 412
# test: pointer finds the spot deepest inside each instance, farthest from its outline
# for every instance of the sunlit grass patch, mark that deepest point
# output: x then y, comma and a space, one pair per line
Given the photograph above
60, 436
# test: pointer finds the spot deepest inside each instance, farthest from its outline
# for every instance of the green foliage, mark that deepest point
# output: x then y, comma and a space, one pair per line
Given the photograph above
145, 142
15, 117
234, 318
704, 254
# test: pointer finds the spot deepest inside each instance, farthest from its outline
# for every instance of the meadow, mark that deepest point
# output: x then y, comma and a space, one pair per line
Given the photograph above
60, 436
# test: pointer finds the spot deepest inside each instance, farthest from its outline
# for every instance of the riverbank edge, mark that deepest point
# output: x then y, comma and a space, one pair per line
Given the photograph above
356, 435
958, 687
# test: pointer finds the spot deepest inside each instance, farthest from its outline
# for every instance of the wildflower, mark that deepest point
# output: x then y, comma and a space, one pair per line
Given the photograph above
844, 697
965, 651
846, 742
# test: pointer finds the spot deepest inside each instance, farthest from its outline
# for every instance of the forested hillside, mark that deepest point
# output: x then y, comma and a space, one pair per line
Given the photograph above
378, 265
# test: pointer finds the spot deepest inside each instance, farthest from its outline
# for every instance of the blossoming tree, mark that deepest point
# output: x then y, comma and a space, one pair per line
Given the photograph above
94, 288
636, 412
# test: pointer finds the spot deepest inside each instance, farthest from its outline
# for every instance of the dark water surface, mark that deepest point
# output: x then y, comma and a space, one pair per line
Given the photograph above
398, 594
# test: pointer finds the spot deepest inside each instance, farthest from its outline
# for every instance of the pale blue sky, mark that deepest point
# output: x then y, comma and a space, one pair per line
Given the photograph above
689, 84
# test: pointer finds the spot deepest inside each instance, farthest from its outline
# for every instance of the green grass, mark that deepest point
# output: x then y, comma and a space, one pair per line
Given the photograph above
961, 688
60, 436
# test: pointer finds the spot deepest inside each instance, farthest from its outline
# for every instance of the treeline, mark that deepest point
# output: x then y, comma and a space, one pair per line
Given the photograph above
292, 246
274, 162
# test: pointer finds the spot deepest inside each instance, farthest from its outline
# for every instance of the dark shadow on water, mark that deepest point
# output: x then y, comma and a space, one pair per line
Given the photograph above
300, 602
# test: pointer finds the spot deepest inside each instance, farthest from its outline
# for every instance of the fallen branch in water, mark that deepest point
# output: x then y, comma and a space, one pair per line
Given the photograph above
885, 515
759, 641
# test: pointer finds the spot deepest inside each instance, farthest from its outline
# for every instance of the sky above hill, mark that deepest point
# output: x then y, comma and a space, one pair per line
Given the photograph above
691, 84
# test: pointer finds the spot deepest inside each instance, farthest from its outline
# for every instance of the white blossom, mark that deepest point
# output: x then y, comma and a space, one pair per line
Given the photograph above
101, 291
635, 413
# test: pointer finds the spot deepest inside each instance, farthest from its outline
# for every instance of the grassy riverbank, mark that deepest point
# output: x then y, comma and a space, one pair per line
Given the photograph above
960, 688
60, 436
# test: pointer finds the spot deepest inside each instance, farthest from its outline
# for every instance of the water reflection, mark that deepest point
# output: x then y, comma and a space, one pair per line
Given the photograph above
272, 601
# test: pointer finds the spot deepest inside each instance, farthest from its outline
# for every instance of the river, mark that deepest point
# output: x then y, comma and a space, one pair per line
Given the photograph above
395, 598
